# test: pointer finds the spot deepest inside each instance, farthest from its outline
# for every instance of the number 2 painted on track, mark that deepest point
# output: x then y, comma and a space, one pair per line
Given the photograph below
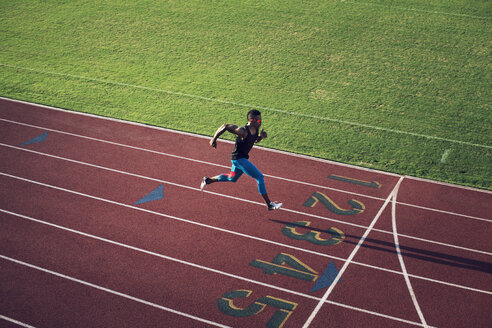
357, 206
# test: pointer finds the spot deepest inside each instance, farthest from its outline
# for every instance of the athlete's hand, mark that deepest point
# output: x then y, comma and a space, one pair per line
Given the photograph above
213, 143
263, 134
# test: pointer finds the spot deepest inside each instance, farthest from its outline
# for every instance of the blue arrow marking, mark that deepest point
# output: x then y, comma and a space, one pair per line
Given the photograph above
157, 193
39, 138
326, 278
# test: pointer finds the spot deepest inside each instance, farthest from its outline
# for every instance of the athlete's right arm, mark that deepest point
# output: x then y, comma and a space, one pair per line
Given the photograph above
234, 129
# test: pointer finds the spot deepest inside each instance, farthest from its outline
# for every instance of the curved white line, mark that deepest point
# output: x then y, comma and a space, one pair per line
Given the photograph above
400, 257
349, 259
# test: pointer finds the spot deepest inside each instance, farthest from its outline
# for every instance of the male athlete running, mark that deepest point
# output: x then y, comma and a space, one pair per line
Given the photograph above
246, 137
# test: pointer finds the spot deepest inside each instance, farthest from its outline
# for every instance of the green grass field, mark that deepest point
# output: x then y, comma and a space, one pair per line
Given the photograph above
401, 86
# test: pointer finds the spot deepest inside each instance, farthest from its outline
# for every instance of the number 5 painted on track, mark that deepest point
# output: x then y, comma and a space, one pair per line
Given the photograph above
337, 236
285, 308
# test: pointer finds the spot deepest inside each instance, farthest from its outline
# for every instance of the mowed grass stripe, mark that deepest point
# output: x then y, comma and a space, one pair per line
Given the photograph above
247, 106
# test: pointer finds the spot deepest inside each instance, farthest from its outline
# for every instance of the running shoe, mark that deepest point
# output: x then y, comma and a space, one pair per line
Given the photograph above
204, 182
274, 206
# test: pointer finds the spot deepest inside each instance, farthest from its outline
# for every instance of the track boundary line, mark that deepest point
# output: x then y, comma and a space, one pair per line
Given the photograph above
114, 292
224, 166
241, 234
241, 199
400, 258
16, 322
366, 126
350, 258
203, 267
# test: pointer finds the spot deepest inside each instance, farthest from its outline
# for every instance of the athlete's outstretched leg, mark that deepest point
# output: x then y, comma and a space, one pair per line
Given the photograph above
233, 176
251, 170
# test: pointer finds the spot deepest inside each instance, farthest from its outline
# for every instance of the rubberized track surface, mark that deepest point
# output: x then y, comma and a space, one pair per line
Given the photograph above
79, 250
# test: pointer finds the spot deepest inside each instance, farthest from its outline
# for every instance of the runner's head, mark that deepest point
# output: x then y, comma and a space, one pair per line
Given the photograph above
254, 117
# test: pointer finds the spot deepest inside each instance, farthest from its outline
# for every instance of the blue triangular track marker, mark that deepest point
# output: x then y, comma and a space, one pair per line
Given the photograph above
39, 138
326, 278
157, 193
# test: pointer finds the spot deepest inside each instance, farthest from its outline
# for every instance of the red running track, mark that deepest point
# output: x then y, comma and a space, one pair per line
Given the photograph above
77, 251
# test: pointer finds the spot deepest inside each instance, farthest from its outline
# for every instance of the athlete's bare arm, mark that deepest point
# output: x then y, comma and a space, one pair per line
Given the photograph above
234, 129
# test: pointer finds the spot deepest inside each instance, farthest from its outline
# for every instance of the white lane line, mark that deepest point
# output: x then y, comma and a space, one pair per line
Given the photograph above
321, 160
425, 240
375, 313
235, 233
449, 184
239, 199
350, 258
442, 211
194, 135
165, 257
17, 322
203, 267
179, 157
114, 292
400, 258
446, 283
227, 167
414, 9
172, 155
366, 126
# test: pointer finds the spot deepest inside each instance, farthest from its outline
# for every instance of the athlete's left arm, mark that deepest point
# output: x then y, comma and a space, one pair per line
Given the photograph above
262, 136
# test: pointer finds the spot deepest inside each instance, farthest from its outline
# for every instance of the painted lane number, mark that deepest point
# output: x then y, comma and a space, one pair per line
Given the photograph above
337, 236
318, 197
295, 269
285, 308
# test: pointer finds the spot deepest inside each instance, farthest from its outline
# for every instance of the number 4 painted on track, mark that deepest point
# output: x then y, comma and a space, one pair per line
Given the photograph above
296, 270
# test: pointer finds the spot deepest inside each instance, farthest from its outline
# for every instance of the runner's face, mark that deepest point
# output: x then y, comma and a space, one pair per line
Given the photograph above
255, 121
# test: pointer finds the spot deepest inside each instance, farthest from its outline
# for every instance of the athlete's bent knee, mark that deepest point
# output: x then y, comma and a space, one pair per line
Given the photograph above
233, 176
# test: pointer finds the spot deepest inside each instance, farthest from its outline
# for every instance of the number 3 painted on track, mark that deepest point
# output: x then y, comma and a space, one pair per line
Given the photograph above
337, 236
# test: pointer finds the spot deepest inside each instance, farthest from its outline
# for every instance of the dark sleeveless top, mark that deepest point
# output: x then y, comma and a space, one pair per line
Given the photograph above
243, 146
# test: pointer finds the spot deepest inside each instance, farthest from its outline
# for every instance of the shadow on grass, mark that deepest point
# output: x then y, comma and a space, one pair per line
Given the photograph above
420, 254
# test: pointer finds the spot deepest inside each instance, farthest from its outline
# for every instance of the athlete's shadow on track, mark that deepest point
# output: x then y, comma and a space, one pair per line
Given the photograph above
421, 254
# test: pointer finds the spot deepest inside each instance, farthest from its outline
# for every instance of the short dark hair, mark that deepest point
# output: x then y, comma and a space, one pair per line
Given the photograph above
252, 113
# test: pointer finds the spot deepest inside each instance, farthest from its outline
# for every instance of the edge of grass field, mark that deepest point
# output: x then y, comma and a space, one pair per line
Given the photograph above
292, 153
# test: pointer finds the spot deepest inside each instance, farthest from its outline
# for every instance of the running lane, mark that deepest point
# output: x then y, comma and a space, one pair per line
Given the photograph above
89, 172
